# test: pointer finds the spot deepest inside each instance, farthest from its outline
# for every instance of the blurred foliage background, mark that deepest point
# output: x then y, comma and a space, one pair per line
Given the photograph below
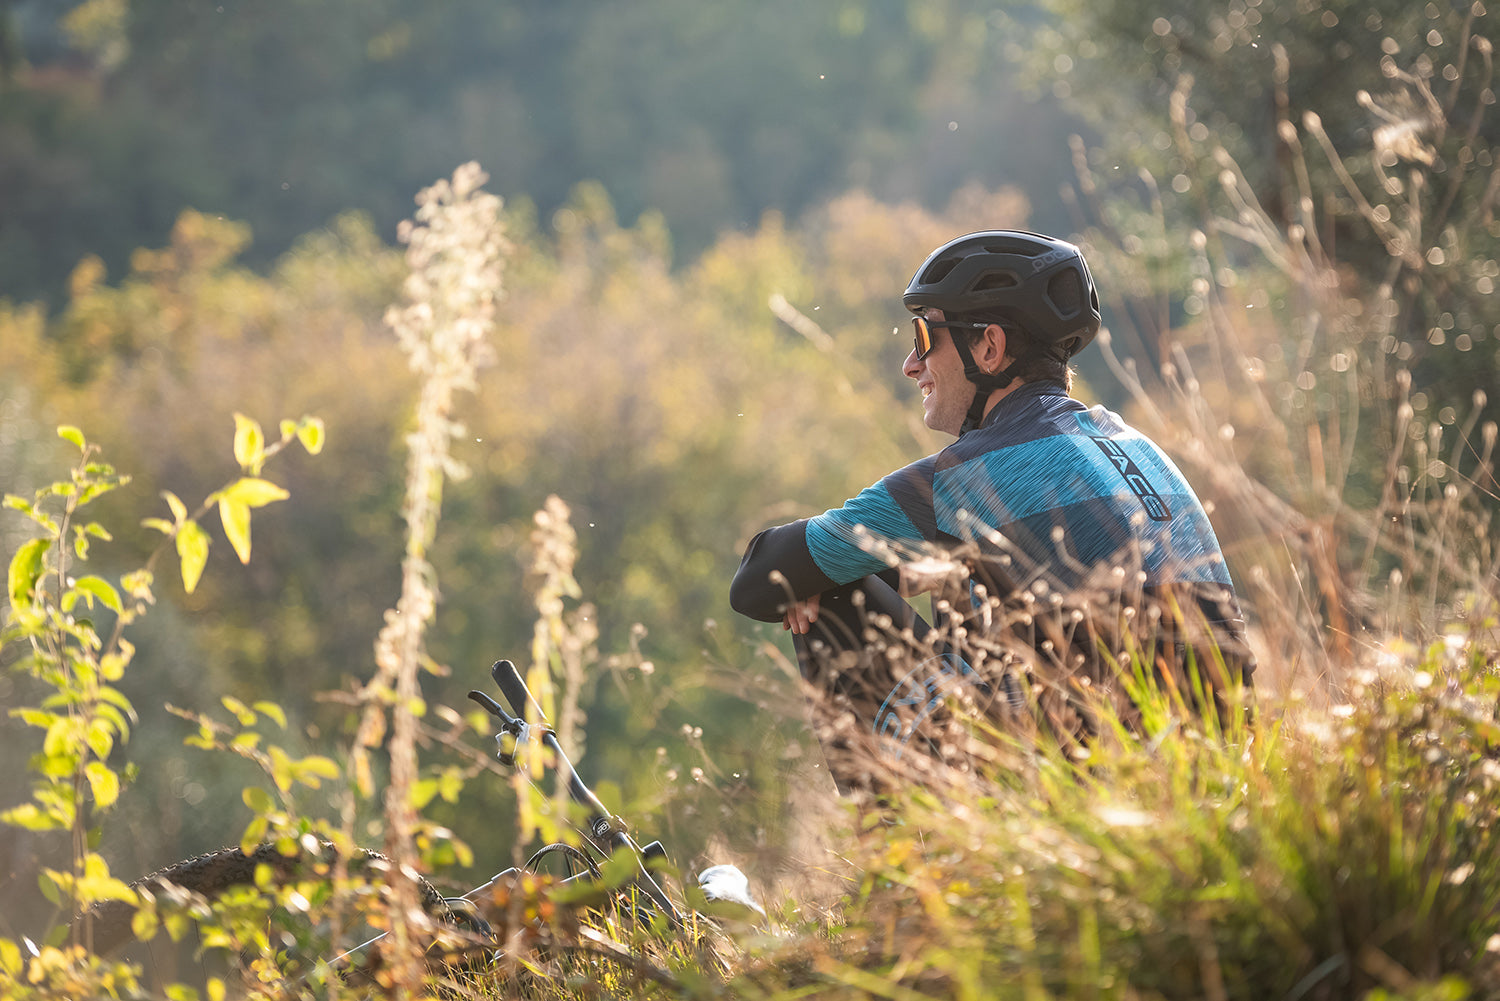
714, 209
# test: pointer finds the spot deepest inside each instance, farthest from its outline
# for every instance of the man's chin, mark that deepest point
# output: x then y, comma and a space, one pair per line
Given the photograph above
936, 423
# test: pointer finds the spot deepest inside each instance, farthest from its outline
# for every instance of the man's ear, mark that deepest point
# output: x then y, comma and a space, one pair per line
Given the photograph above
989, 353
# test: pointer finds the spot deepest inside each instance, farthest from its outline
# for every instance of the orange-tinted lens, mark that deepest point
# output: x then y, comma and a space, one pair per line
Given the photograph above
923, 340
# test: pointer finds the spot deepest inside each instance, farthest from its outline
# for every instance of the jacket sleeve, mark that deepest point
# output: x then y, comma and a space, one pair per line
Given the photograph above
776, 570
870, 534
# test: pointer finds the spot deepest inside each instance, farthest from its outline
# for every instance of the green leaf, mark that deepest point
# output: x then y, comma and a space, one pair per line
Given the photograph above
258, 799
236, 518
178, 924
179, 509
241, 711
100, 738
35, 717
30, 817
162, 525
59, 741
25, 569
280, 768
450, 784
249, 443
49, 888
10, 958
104, 783
100, 487
315, 766
114, 696
192, 549
254, 834
97, 884
320, 766
112, 665
69, 433
144, 924
253, 492
272, 710
116, 721
98, 587
31, 510
312, 434
421, 793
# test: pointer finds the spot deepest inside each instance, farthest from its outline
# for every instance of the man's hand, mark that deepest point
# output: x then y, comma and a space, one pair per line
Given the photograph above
801, 616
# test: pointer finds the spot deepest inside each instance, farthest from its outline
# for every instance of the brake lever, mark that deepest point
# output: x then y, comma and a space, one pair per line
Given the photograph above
509, 725
492, 707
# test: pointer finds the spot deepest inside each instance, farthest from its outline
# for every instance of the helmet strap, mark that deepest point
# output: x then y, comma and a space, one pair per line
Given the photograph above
985, 383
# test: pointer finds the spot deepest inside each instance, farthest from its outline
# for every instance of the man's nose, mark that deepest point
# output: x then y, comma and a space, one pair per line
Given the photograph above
912, 367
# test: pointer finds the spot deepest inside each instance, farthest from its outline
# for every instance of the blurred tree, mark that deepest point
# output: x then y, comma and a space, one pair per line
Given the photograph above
284, 115
1401, 137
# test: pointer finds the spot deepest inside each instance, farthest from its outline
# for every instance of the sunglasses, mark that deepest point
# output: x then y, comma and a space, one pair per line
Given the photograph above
923, 342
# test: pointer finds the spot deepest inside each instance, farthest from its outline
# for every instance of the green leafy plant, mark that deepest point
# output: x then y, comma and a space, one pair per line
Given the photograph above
56, 617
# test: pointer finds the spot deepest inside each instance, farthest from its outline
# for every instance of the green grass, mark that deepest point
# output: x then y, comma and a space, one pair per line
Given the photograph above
1325, 852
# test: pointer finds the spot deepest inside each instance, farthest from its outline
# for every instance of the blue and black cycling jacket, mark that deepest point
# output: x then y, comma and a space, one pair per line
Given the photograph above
1046, 488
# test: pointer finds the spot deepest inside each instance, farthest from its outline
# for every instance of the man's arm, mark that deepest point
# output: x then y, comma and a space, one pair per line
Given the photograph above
869, 534
776, 571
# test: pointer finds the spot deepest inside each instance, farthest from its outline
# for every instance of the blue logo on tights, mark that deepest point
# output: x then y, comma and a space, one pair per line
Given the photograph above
915, 696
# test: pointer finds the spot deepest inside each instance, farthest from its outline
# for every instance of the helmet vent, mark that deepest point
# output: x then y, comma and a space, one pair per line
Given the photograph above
994, 280
1018, 248
939, 270
1066, 292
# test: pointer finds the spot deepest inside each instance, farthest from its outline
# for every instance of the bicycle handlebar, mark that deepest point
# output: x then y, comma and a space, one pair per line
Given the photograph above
515, 691
603, 825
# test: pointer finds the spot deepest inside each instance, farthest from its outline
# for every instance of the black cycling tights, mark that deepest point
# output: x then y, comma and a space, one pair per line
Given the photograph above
871, 657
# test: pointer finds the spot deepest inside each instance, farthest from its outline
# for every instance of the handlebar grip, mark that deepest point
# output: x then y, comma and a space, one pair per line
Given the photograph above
515, 691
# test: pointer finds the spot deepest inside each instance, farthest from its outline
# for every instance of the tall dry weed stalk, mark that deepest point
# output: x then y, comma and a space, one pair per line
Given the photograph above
456, 251
562, 642
563, 645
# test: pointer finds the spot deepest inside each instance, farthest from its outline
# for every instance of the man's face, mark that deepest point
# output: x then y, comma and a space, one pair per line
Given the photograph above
946, 391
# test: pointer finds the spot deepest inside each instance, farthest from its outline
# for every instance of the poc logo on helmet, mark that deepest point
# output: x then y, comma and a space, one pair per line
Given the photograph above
1050, 258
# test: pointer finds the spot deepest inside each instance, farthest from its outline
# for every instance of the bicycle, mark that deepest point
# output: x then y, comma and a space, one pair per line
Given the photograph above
603, 841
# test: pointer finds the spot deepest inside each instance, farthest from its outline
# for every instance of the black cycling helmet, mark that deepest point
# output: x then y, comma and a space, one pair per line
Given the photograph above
1040, 284
1034, 282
